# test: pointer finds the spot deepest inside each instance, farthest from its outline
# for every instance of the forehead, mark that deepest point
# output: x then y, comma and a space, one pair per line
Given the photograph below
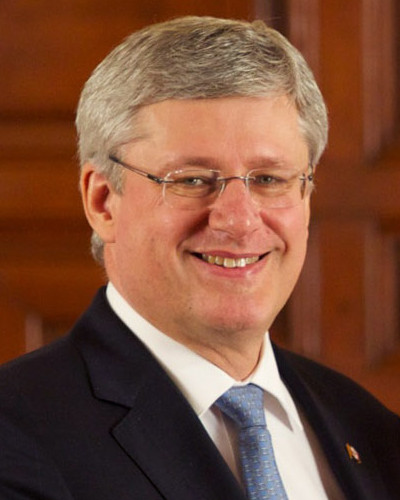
222, 127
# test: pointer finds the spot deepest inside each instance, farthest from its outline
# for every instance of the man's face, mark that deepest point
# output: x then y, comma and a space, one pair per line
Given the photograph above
155, 256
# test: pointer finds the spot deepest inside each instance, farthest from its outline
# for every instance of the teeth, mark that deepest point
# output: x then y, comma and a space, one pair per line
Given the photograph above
229, 262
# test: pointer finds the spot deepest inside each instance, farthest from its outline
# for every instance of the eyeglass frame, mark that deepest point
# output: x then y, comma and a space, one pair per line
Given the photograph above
223, 180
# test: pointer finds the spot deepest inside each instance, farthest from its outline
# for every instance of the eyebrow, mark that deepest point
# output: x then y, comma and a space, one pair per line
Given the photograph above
215, 163
192, 161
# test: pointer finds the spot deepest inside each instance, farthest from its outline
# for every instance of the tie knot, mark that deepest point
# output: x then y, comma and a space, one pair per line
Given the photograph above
244, 405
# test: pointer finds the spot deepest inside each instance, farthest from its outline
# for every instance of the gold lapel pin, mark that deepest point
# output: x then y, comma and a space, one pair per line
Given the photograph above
353, 453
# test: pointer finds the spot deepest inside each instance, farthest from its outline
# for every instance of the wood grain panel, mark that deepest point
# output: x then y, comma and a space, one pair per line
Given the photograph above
49, 48
39, 189
356, 207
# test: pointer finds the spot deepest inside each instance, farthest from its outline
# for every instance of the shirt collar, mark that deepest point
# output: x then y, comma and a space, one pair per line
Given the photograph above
200, 381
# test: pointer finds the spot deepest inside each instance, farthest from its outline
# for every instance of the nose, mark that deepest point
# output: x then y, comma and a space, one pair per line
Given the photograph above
234, 212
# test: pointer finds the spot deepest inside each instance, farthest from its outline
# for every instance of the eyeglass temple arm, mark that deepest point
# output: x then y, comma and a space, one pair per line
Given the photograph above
136, 170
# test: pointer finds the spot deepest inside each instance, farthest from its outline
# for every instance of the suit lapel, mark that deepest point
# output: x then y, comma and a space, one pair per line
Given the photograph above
160, 431
358, 479
164, 436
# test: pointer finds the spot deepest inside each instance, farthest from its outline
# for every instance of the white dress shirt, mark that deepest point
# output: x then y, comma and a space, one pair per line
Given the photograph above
300, 460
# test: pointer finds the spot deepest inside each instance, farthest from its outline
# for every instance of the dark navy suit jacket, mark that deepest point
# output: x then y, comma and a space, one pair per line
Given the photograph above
94, 417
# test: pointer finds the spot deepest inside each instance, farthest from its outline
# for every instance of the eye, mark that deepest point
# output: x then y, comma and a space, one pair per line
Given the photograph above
266, 179
194, 181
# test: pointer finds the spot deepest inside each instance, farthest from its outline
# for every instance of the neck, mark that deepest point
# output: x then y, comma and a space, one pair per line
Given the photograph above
237, 358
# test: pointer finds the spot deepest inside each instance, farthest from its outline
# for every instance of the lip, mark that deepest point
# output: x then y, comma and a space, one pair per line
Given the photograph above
223, 260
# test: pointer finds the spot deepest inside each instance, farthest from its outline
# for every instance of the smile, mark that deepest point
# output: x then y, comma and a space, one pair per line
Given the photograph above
229, 262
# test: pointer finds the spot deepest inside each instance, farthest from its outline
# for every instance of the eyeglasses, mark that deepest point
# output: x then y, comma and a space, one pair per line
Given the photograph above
195, 188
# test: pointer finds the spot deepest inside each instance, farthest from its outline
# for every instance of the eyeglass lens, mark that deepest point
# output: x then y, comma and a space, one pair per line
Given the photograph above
193, 189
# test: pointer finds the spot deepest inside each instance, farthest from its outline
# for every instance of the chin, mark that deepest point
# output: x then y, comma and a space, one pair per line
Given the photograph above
239, 320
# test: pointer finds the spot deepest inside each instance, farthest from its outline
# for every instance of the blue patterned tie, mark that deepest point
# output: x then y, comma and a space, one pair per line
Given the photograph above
245, 406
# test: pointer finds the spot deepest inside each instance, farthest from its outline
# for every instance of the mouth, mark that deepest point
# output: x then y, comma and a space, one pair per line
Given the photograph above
230, 262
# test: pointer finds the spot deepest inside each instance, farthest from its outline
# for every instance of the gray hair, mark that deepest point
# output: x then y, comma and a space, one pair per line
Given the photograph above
191, 58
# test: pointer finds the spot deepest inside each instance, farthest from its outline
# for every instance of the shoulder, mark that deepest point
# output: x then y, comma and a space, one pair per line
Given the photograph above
40, 359
28, 382
58, 364
341, 411
334, 390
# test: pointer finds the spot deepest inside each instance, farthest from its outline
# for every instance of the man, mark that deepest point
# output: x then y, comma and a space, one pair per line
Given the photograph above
198, 141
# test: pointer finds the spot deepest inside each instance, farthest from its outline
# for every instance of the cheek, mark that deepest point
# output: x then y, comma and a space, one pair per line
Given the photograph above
290, 225
148, 229
173, 227
297, 242
297, 231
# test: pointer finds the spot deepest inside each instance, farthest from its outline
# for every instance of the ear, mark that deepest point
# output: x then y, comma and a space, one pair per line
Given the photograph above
99, 200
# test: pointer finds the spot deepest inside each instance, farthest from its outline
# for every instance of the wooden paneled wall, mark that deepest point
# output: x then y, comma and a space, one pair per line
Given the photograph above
345, 311
351, 280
